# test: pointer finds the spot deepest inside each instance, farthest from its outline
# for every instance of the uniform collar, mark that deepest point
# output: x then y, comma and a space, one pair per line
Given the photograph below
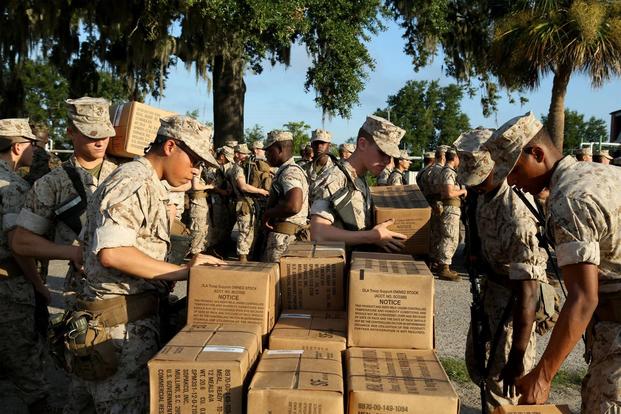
285, 164
158, 185
559, 169
4, 165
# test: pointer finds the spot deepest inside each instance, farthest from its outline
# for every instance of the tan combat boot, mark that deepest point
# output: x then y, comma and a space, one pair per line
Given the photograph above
243, 258
445, 273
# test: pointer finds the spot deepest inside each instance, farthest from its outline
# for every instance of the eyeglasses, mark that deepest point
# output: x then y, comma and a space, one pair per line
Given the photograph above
197, 162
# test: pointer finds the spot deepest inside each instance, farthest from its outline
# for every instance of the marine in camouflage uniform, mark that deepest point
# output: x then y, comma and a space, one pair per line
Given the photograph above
322, 161
379, 139
382, 179
220, 220
422, 175
288, 177
510, 249
129, 211
402, 164
449, 219
583, 221
432, 178
20, 344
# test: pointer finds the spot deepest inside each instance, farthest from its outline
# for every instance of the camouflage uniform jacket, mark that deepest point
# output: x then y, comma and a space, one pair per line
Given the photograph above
584, 220
397, 178
447, 176
13, 191
433, 181
329, 183
234, 172
382, 179
128, 210
288, 177
422, 180
508, 233
313, 171
53, 190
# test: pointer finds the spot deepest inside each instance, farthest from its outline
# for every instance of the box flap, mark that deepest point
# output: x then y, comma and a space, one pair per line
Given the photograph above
533, 409
398, 197
399, 267
299, 370
310, 249
311, 324
380, 256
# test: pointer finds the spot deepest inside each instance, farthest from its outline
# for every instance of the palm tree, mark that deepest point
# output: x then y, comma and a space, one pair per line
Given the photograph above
559, 37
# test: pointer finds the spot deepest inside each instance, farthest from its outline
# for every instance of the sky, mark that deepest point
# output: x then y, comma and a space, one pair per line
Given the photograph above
277, 96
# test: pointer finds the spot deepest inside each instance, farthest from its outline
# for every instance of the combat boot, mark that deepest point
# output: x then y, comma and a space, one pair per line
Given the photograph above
243, 258
445, 273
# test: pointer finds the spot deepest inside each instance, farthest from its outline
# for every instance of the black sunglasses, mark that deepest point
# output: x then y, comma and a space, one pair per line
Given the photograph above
197, 162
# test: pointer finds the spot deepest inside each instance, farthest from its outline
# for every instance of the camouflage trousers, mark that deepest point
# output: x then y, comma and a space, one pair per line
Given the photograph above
277, 243
601, 387
434, 230
79, 400
449, 234
127, 391
199, 210
494, 302
246, 225
21, 346
218, 216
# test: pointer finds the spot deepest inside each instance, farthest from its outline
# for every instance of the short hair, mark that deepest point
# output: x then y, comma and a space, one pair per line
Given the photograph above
439, 153
450, 156
427, 160
541, 138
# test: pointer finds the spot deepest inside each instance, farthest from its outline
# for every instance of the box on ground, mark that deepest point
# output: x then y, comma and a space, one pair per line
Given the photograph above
136, 126
405, 204
311, 276
380, 256
382, 381
310, 331
390, 304
297, 382
203, 369
533, 409
236, 293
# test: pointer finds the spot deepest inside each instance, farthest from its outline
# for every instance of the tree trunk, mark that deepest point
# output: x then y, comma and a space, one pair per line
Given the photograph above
229, 90
556, 114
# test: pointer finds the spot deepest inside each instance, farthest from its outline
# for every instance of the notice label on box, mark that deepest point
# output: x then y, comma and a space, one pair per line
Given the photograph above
223, 348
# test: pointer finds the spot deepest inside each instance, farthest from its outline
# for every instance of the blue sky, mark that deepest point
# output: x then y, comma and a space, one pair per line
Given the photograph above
277, 95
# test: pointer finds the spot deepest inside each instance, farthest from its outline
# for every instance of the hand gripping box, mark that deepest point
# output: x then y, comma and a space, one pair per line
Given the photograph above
387, 381
407, 205
390, 304
310, 331
203, 369
533, 409
236, 293
136, 126
312, 276
297, 382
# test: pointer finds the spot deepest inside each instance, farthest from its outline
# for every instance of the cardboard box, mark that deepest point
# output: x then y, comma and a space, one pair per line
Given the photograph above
390, 304
312, 276
136, 126
380, 256
533, 409
297, 382
382, 381
407, 206
204, 369
237, 293
310, 331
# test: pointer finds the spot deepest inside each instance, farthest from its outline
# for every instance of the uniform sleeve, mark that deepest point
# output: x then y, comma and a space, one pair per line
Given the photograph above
293, 178
118, 225
449, 177
578, 226
326, 185
37, 214
13, 197
528, 261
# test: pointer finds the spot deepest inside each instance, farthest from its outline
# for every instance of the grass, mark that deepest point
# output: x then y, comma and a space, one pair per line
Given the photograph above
456, 370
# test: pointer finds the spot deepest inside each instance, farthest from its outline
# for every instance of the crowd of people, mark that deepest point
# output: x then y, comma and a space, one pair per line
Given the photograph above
113, 221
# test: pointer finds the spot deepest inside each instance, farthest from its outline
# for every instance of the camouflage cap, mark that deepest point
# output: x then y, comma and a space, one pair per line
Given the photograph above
321, 135
347, 147
386, 135
603, 153
91, 116
583, 151
242, 149
278, 135
475, 164
403, 155
231, 143
506, 143
229, 153
191, 132
17, 128
430, 155
258, 144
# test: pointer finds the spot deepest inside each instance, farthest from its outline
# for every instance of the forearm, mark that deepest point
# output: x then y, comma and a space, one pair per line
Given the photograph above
452, 191
524, 315
26, 243
322, 231
29, 269
132, 261
250, 189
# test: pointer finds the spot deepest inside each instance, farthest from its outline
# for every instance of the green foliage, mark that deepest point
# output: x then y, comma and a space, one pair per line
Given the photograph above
429, 113
299, 130
256, 133
578, 130
455, 369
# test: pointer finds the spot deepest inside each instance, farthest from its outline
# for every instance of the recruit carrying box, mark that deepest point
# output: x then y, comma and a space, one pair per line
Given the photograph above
136, 126
390, 304
407, 205
310, 331
297, 382
204, 369
236, 293
533, 409
311, 276
383, 381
